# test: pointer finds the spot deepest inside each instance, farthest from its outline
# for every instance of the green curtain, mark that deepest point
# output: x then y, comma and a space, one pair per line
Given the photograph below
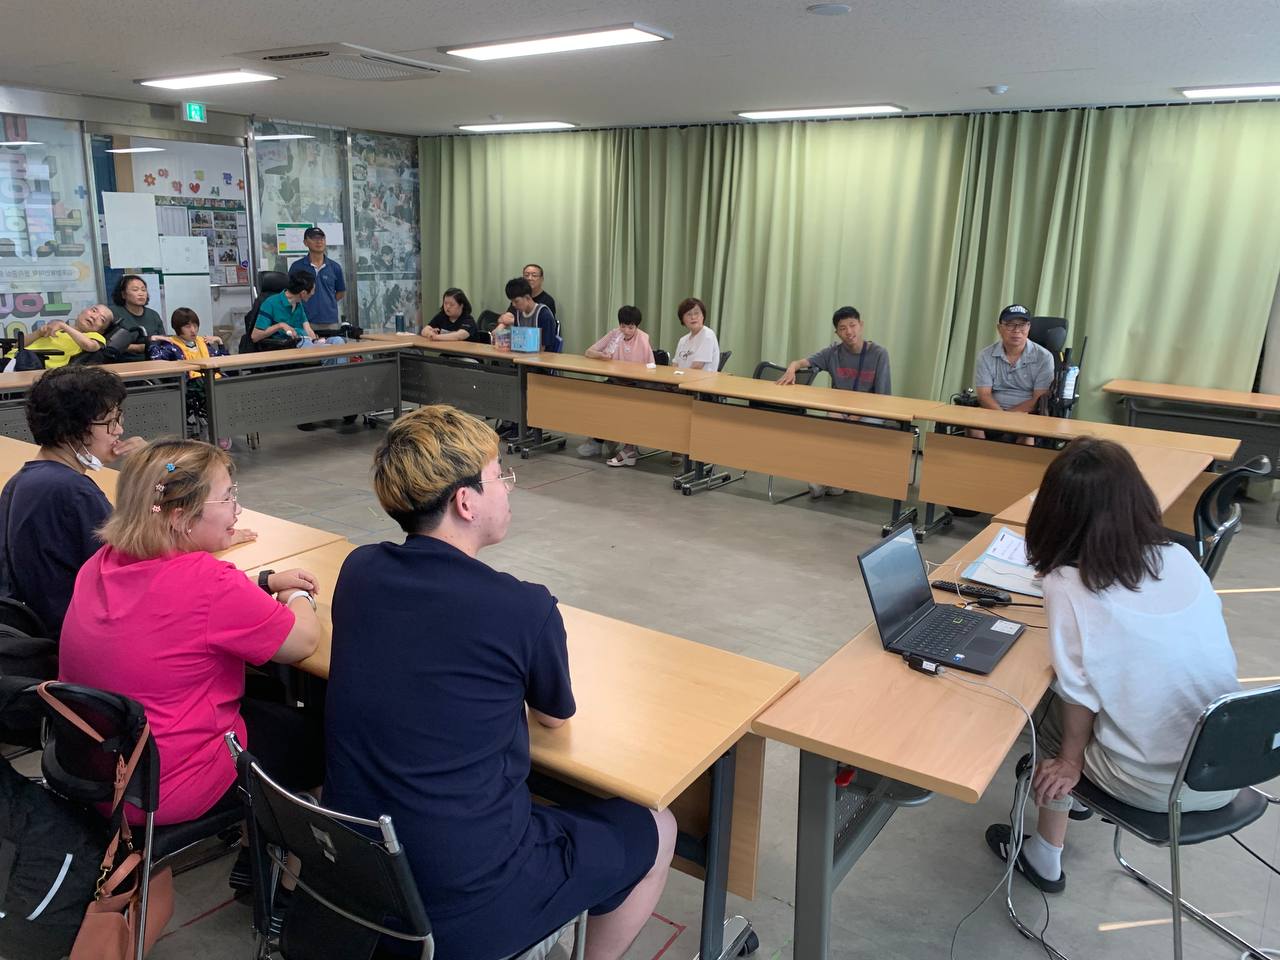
1153, 230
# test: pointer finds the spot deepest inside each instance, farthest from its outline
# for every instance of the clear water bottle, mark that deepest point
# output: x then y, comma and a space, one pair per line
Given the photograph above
1069, 382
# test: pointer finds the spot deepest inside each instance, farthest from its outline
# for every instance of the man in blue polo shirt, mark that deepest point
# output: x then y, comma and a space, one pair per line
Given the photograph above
330, 286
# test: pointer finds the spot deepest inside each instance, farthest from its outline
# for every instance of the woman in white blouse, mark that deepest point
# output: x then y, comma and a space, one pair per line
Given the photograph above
1138, 643
698, 349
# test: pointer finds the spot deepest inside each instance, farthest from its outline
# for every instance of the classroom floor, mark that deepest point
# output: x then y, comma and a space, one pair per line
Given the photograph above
685, 565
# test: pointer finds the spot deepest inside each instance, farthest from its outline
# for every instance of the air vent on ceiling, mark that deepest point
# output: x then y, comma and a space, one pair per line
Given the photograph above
346, 61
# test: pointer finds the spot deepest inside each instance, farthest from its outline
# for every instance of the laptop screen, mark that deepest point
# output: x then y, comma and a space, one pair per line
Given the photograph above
896, 583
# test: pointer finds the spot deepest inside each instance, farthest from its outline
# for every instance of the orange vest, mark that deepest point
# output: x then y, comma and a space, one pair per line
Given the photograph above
199, 352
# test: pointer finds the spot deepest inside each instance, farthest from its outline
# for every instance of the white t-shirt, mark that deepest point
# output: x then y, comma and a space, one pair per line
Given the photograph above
704, 347
1147, 662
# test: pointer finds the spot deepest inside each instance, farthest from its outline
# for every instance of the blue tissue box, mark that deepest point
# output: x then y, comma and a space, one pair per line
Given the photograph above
526, 339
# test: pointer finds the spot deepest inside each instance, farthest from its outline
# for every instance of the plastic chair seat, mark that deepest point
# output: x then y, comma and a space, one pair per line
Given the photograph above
1197, 827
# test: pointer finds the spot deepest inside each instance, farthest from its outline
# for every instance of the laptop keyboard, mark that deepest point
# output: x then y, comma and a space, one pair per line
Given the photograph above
942, 634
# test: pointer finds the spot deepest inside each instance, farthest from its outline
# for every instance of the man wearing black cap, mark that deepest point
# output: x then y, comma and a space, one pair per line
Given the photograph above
1013, 373
330, 287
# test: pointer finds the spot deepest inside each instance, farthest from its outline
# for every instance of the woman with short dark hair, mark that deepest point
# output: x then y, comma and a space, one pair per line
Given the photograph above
1138, 643
454, 321
129, 302
50, 510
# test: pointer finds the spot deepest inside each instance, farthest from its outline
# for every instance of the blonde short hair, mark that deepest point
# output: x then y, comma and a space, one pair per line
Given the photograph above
427, 456
164, 476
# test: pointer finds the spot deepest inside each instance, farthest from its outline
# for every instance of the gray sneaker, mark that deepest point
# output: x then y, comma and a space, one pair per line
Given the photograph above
835, 491
816, 491
589, 449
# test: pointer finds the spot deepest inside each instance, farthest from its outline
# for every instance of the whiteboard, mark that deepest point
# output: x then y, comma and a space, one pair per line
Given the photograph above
184, 255
187, 290
133, 237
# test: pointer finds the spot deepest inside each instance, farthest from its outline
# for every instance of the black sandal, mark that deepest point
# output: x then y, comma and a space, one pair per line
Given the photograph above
999, 840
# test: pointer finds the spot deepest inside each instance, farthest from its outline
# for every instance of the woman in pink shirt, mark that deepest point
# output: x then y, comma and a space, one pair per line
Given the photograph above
628, 344
156, 617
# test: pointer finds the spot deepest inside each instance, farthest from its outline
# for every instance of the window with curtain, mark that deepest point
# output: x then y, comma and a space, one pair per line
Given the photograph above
46, 259
384, 193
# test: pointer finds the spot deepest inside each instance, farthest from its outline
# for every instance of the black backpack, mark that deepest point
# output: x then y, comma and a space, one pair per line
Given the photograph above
50, 856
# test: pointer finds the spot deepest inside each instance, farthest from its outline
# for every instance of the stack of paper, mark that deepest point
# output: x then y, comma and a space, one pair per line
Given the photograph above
1003, 565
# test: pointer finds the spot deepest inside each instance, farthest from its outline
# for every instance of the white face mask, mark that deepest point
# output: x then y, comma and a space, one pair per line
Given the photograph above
88, 460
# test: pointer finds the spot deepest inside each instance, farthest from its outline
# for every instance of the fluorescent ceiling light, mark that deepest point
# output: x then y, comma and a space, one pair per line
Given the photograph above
284, 136
1214, 93
21, 143
138, 150
561, 43
814, 113
221, 79
500, 127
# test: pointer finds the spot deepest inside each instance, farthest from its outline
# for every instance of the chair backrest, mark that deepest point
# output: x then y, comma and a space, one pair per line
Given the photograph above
81, 769
724, 358
661, 358
765, 370
1213, 509
1050, 333
487, 321
355, 888
1215, 548
1234, 743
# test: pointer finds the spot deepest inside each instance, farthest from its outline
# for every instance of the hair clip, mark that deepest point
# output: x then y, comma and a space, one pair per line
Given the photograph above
169, 467
159, 488
155, 508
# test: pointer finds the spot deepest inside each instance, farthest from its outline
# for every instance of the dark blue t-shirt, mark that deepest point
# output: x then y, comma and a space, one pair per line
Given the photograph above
435, 655
322, 308
50, 534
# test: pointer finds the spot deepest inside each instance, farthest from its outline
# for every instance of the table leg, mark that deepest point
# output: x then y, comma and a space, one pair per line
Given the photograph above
931, 523
720, 938
210, 407
835, 826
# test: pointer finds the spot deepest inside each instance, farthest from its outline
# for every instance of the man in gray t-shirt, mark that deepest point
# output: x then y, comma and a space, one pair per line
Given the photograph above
853, 364
1013, 373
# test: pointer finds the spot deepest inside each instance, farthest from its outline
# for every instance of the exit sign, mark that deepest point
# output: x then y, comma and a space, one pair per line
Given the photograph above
195, 112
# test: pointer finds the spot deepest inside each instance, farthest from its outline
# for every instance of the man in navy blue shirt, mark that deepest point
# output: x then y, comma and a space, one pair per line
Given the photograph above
331, 286
527, 312
438, 662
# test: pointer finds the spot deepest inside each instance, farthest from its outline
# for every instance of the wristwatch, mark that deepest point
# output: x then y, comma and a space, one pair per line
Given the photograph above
263, 577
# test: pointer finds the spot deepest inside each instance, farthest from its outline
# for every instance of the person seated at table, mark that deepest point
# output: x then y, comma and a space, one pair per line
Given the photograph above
534, 274
454, 321
1013, 373
854, 363
157, 617
480, 655
192, 346
130, 298
282, 318
50, 511
1138, 643
65, 341
698, 349
527, 312
627, 344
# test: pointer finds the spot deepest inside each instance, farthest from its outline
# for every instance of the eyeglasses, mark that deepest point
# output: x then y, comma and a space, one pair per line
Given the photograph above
1015, 324
508, 479
110, 423
234, 498
532, 275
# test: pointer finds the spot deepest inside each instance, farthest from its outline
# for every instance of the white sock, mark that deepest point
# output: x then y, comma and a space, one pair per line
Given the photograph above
1077, 806
1044, 857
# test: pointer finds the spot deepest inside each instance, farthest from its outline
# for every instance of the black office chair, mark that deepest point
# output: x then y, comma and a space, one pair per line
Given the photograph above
1232, 747
661, 358
765, 370
352, 889
724, 358
1217, 516
83, 769
1051, 333
270, 282
487, 322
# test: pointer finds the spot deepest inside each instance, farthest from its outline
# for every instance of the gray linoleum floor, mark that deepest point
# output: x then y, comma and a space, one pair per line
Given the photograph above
780, 583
